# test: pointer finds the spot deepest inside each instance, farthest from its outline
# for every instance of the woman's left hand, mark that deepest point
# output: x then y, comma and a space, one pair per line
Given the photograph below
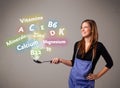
98, 75
92, 76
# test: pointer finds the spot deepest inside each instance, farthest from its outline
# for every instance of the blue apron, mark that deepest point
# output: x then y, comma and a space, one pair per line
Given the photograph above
79, 73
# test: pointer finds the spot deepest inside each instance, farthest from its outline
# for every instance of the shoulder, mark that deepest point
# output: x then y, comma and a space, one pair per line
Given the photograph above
76, 43
100, 46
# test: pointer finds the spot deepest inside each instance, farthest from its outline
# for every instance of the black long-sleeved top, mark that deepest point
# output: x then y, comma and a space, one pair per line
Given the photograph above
100, 50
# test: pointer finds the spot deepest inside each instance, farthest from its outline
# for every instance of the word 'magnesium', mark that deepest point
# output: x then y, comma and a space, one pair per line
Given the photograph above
27, 45
54, 42
27, 20
19, 39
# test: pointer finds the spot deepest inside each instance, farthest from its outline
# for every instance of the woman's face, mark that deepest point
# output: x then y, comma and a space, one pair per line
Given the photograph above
86, 30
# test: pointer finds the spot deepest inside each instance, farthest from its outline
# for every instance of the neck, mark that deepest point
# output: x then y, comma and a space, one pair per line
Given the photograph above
87, 40
87, 43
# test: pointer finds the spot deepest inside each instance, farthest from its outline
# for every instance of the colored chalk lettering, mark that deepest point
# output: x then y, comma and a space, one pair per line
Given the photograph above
42, 36
61, 31
42, 27
21, 30
52, 32
32, 27
52, 24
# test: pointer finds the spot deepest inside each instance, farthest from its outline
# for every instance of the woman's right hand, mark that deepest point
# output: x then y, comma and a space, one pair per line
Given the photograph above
61, 60
55, 60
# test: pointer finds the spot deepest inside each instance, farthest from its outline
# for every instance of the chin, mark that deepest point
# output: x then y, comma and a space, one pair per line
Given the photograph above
86, 36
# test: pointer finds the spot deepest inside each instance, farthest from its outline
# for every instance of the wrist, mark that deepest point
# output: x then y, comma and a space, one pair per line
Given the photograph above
60, 60
97, 76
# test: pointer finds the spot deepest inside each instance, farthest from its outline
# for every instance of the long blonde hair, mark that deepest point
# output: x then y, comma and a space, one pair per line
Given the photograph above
94, 38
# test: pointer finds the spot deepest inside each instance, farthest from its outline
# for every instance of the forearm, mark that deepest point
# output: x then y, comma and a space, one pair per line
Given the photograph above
66, 62
102, 72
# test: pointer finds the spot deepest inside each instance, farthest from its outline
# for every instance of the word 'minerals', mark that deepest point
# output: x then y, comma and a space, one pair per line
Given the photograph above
19, 38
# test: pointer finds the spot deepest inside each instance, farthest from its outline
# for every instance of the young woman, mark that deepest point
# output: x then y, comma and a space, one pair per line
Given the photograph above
86, 54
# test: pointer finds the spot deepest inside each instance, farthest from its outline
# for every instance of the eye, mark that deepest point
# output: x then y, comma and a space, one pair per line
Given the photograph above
80, 27
85, 27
